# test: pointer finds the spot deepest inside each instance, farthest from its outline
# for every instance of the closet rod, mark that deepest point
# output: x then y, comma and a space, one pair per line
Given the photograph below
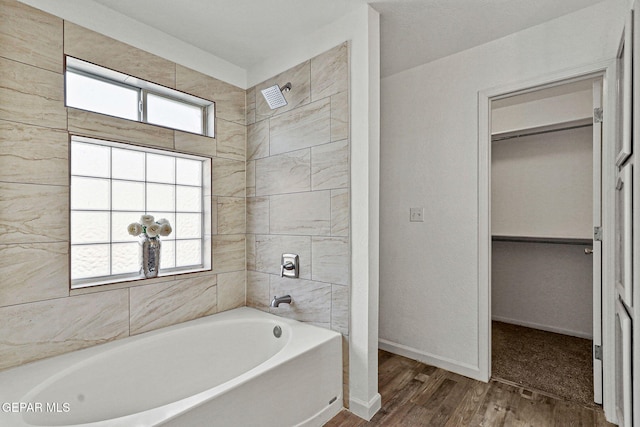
540, 132
555, 240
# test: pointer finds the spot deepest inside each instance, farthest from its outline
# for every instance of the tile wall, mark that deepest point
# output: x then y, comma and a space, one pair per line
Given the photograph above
39, 315
298, 193
280, 183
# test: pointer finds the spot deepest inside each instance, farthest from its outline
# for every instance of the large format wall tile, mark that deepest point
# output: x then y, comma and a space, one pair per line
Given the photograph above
33, 272
195, 144
251, 251
33, 155
258, 215
269, 250
311, 301
340, 116
228, 177
231, 290
33, 213
340, 212
228, 253
31, 95
212, 222
30, 36
231, 215
48, 328
330, 259
232, 138
301, 213
301, 128
164, 304
251, 178
330, 72
258, 140
340, 309
251, 105
258, 290
86, 123
330, 166
90, 46
284, 173
230, 100
300, 93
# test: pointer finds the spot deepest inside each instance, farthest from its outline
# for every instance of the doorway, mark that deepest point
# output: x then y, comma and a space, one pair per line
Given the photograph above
545, 166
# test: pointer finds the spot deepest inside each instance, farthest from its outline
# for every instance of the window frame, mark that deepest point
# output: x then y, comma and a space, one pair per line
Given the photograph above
205, 213
86, 69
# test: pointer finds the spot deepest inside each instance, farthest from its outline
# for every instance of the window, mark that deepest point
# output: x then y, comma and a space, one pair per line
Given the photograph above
94, 88
112, 186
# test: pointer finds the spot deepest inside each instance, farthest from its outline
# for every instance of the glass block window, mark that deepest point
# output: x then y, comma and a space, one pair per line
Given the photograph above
112, 186
101, 90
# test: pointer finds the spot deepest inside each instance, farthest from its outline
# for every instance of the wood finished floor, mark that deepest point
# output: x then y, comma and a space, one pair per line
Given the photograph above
415, 394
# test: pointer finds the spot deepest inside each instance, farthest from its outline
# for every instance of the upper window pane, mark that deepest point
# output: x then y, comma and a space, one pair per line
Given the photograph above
174, 114
97, 95
101, 90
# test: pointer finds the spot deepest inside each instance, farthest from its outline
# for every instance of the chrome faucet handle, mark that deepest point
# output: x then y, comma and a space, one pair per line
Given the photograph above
286, 266
289, 266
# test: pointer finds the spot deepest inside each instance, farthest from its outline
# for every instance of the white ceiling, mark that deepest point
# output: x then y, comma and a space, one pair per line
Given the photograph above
413, 32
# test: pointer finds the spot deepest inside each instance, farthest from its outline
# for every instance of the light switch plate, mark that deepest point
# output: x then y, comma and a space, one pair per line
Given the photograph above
416, 214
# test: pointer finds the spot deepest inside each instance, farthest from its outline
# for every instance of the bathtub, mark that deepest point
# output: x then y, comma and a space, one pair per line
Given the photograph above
228, 369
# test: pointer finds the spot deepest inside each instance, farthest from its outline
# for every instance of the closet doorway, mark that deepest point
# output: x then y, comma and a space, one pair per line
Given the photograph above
545, 261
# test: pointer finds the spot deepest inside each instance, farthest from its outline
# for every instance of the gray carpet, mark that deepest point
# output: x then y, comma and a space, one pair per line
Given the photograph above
556, 364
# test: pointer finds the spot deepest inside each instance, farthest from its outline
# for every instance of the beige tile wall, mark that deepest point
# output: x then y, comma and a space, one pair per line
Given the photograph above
39, 315
298, 192
280, 183
298, 195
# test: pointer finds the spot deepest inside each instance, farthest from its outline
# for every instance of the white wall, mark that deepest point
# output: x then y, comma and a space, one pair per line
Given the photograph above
542, 112
544, 286
541, 185
429, 304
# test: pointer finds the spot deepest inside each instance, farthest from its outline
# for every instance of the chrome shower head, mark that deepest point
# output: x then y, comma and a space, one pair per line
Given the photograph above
274, 95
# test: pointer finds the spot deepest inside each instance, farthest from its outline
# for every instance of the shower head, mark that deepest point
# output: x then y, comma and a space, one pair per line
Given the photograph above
274, 95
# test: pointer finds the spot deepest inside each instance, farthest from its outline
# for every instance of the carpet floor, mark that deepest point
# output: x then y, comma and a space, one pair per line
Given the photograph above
557, 364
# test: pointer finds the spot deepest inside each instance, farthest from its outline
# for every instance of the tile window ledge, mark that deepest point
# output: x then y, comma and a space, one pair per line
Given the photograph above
137, 280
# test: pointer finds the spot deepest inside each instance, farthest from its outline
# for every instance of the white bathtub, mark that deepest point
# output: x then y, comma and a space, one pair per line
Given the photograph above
222, 370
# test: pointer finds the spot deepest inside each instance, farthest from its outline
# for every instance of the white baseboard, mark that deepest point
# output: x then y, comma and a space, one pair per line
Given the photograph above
430, 359
543, 327
365, 410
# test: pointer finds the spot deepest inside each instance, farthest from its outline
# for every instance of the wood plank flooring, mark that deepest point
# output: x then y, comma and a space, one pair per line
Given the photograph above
415, 394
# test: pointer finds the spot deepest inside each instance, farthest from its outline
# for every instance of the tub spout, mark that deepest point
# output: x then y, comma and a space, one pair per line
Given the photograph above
276, 301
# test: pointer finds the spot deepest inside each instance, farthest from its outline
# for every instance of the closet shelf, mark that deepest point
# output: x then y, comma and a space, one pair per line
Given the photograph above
530, 239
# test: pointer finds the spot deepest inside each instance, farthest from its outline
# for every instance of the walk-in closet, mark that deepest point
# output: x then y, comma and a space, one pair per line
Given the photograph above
544, 171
